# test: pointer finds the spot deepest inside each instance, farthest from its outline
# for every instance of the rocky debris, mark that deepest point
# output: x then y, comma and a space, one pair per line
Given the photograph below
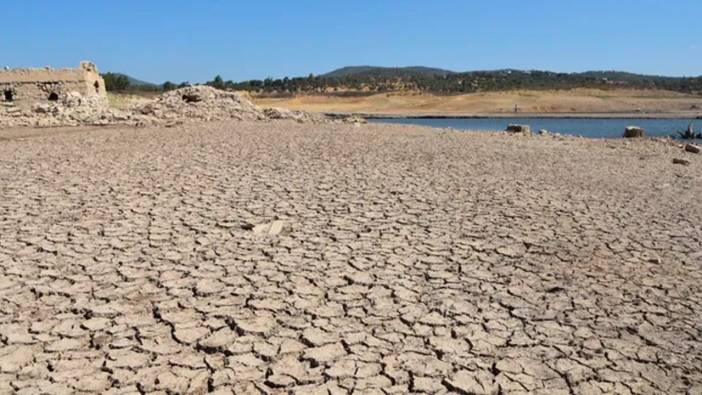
204, 103
176, 107
201, 103
72, 109
634, 131
514, 128
692, 148
299, 116
679, 161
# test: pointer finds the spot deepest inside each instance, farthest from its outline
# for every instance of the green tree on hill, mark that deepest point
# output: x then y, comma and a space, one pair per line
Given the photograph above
115, 82
217, 82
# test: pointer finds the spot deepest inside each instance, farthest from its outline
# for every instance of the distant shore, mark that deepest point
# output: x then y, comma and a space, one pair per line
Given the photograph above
628, 115
576, 103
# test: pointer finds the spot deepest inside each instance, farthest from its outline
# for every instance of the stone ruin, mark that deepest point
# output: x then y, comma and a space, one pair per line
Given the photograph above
75, 97
28, 87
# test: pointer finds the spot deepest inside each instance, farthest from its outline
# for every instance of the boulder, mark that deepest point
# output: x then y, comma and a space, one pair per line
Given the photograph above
513, 128
634, 131
692, 148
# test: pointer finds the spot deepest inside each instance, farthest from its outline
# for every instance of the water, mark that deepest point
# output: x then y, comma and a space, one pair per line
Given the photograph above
586, 127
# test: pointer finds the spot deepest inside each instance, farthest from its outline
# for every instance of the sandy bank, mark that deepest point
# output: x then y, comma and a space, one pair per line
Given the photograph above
577, 102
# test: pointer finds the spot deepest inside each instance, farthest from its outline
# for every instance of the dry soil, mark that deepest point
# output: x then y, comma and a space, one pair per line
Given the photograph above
285, 257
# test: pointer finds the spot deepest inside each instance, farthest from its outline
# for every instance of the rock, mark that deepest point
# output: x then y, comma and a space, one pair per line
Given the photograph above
679, 161
513, 128
193, 97
633, 131
277, 227
692, 148
543, 132
271, 229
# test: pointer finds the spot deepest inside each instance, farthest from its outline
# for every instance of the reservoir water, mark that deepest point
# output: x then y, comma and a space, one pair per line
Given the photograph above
586, 127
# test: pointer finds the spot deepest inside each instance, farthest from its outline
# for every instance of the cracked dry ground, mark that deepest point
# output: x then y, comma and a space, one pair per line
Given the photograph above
413, 260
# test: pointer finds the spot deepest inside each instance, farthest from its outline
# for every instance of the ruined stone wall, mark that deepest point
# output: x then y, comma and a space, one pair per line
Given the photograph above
26, 87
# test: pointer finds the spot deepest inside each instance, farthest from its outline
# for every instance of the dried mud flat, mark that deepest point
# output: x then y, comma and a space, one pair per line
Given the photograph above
284, 257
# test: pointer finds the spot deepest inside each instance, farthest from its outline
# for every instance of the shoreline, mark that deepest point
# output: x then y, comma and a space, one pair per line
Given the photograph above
580, 103
696, 116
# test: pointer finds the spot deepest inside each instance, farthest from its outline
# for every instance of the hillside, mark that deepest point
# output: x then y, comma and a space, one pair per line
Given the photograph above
367, 80
570, 102
386, 72
136, 82
120, 82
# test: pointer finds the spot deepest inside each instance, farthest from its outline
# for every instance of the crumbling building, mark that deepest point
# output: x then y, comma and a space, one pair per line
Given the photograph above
26, 87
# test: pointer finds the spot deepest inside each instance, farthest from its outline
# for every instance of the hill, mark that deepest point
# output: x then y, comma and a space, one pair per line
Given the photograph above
135, 82
386, 72
623, 102
357, 80
119, 82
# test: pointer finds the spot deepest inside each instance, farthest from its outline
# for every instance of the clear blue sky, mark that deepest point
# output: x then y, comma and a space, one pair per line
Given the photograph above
178, 40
